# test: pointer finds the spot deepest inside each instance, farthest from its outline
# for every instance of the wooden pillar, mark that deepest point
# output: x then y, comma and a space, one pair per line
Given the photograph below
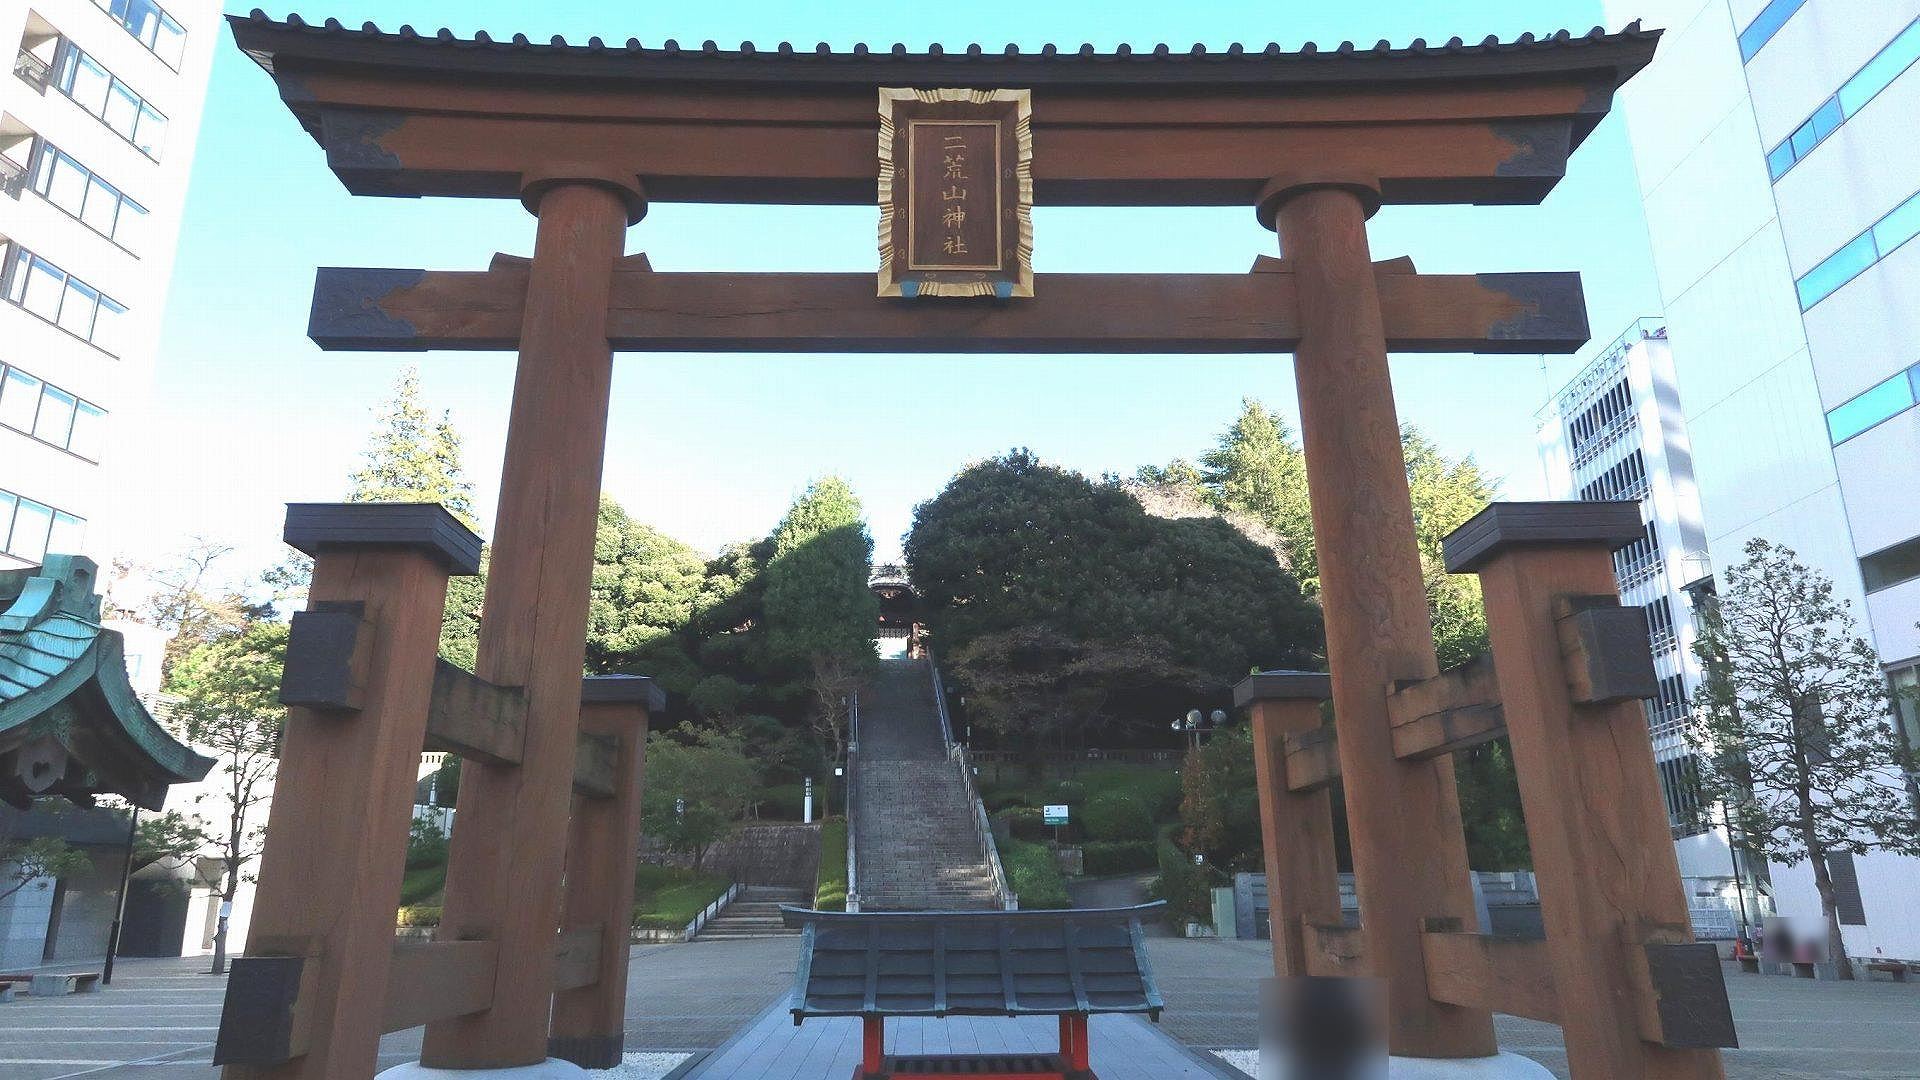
603, 843
509, 843
1296, 827
359, 674
1572, 667
873, 1038
1409, 853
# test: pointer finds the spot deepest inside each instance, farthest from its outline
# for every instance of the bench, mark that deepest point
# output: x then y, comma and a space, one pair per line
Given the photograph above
56, 983
1895, 968
1068, 964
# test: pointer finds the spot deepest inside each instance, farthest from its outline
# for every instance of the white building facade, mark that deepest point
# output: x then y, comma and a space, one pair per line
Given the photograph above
1775, 146
1615, 431
98, 119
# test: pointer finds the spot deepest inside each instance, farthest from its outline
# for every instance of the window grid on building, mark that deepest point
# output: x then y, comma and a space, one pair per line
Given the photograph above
1680, 784
84, 196
29, 528
43, 289
1639, 561
1860, 254
88, 84
1853, 95
1667, 712
1626, 479
1875, 406
40, 410
1764, 25
151, 26
1890, 566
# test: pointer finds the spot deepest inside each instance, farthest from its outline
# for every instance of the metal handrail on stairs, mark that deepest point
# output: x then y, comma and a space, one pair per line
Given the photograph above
982, 827
853, 752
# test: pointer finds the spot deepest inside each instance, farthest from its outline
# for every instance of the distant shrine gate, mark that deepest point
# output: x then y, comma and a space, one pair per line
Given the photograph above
1313, 142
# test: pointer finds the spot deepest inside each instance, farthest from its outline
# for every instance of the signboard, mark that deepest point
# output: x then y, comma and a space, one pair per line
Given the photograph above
1054, 815
956, 193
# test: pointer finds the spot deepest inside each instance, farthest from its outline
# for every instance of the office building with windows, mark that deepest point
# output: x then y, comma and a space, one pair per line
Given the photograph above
1615, 431
98, 120
1774, 144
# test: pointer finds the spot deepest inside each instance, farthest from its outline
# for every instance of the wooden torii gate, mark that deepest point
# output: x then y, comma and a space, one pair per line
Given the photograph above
587, 135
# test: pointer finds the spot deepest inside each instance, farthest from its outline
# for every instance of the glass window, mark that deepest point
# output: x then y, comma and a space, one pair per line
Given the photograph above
1881, 403
1906, 697
1765, 25
130, 228
152, 133
77, 308
61, 180
103, 206
55, 422
31, 523
1898, 227
1803, 140
19, 400
123, 110
1781, 159
1826, 119
85, 81
89, 431
41, 287
67, 534
110, 327
7, 502
1836, 270
1891, 566
170, 43
1882, 69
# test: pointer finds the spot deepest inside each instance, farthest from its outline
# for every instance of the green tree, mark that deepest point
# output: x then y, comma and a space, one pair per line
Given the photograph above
1064, 599
228, 704
1257, 467
411, 458
646, 585
23, 859
700, 783
820, 612
1791, 725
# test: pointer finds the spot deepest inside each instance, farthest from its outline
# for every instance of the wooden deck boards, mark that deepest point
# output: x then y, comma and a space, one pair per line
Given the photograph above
772, 1048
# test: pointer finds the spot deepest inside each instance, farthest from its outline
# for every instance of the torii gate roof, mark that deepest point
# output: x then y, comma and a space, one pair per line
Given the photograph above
407, 113
70, 723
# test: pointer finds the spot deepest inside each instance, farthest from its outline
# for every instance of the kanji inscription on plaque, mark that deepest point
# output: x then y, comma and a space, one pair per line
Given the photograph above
956, 193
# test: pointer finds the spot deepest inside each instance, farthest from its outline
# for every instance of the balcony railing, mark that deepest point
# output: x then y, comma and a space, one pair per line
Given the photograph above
13, 177
36, 72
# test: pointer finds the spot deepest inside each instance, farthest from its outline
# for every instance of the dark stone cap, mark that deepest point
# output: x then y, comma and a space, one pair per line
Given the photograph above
623, 689
424, 527
1513, 524
1277, 685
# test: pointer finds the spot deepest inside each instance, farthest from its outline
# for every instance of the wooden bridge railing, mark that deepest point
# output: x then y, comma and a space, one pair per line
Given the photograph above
323, 977
1618, 969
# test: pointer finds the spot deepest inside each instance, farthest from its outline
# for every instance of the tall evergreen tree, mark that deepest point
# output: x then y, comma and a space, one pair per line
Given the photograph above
1791, 725
1256, 467
411, 457
645, 587
820, 612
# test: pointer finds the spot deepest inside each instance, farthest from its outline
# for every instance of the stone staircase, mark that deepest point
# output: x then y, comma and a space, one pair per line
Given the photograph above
914, 835
755, 913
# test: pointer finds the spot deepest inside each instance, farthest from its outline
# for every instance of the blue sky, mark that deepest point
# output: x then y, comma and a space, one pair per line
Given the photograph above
249, 415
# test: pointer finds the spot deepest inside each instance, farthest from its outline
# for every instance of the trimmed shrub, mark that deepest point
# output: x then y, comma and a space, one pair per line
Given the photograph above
1071, 792
998, 799
1117, 815
1033, 875
420, 915
1102, 858
830, 884
784, 802
420, 885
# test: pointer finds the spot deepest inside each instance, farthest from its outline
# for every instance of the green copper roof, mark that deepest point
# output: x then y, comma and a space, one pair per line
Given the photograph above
70, 723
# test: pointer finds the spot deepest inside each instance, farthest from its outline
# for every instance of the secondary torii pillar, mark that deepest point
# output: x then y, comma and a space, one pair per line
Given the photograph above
1403, 817
508, 852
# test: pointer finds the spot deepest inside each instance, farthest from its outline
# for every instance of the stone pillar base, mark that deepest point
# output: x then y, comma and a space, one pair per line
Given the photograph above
1501, 1066
550, 1069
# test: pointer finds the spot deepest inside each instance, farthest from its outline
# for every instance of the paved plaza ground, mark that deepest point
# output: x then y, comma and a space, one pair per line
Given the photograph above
158, 1020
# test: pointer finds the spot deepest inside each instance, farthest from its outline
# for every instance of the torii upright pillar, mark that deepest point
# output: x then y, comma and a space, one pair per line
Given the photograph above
1409, 852
508, 851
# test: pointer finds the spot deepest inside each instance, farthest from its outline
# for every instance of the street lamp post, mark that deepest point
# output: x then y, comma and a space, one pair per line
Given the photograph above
1195, 724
